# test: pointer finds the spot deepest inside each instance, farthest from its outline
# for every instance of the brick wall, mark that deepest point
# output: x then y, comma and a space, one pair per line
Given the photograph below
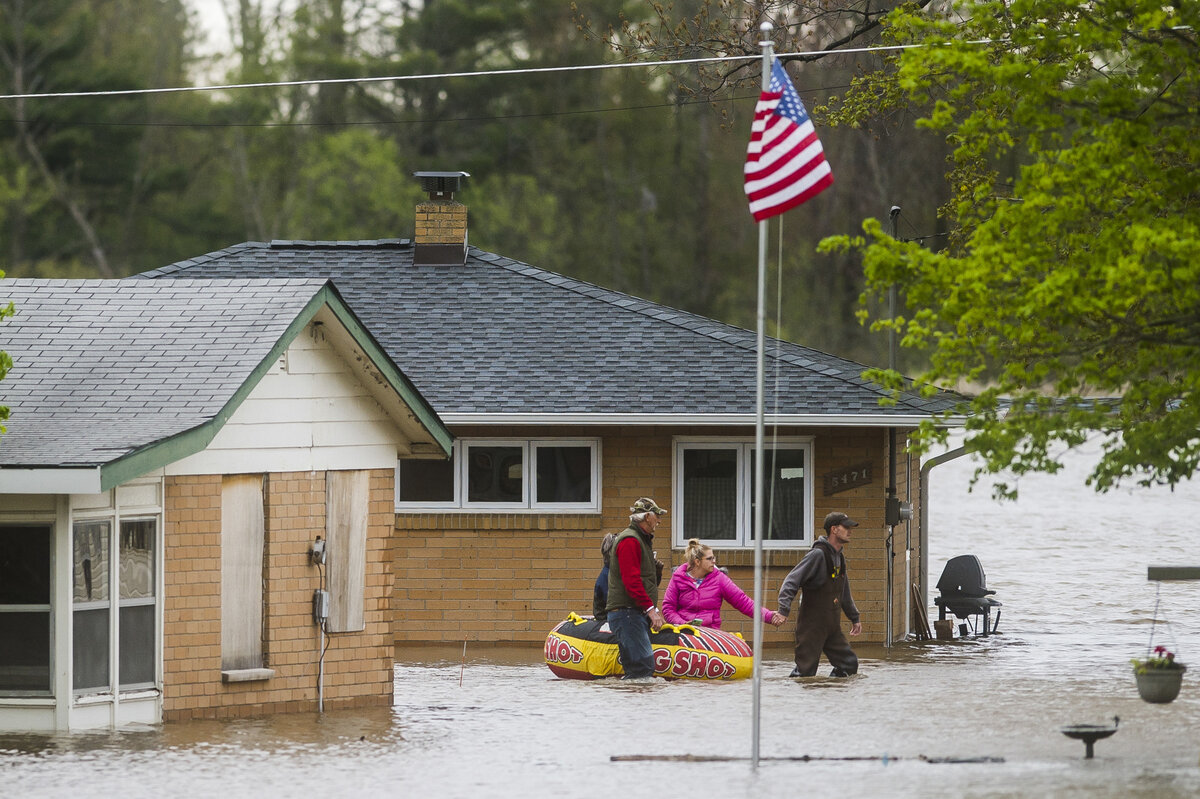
358, 666
511, 577
440, 222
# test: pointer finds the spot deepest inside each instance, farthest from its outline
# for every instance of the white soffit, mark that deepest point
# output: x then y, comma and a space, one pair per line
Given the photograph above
50, 481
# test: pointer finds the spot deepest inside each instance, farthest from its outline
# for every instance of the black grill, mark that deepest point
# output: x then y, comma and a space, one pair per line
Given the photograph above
964, 593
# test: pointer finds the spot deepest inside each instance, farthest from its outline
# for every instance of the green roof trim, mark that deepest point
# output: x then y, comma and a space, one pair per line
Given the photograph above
167, 451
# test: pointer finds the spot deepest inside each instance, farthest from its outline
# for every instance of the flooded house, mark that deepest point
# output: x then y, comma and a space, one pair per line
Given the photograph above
197, 501
458, 428
567, 401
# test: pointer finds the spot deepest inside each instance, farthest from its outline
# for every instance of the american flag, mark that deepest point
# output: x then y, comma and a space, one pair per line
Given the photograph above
785, 165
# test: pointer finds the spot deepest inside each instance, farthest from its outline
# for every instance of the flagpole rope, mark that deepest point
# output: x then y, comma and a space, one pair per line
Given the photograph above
775, 388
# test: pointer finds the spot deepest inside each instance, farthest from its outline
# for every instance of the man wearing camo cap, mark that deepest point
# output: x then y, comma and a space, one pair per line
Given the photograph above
633, 590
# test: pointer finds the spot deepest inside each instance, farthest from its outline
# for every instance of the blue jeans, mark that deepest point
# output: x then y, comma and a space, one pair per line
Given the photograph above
632, 629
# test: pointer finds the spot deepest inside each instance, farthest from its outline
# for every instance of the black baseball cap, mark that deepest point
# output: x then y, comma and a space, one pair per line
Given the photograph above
837, 517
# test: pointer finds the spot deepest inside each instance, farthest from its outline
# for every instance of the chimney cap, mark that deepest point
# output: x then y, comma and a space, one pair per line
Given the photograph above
441, 183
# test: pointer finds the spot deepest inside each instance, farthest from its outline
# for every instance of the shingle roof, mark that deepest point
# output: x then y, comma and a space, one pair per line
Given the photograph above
104, 367
496, 336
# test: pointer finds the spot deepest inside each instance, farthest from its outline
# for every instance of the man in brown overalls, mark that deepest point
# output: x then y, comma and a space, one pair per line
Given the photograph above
822, 576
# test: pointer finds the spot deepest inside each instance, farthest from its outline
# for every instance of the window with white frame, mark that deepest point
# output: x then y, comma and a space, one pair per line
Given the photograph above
90, 623
546, 475
25, 610
103, 569
136, 607
715, 488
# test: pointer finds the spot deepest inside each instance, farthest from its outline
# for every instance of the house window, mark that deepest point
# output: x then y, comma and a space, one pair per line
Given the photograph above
93, 589
25, 609
496, 474
505, 474
136, 611
91, 603
715, 488
562, 474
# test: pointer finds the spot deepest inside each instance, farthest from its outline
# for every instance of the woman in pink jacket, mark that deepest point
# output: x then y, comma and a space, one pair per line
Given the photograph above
698, 587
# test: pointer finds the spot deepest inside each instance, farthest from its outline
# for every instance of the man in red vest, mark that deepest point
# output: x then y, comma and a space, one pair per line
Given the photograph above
632, 606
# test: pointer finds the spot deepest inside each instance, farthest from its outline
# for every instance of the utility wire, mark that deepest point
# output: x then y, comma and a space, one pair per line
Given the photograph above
485, 73
385, 122
500, 72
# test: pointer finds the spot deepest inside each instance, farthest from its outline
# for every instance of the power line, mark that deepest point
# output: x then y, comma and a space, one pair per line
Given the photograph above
387, 122
485, 73
503, 72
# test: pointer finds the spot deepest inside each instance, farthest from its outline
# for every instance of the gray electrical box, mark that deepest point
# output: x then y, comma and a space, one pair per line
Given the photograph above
320, 606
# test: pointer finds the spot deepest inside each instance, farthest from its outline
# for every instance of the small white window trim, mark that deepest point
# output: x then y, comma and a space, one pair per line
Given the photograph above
745, 469
528, 503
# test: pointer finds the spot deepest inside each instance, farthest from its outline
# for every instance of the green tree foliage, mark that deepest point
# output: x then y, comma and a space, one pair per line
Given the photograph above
603, 175
879, 162
1074, 269
630, 178
350, 185
89, 168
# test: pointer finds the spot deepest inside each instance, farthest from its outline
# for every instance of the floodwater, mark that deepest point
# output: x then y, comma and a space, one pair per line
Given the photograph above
967, 718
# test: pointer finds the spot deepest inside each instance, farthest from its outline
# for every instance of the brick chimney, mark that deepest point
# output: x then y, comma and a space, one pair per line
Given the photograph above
441, 230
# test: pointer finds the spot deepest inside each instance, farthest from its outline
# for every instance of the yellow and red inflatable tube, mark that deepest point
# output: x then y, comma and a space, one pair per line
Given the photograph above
581, 648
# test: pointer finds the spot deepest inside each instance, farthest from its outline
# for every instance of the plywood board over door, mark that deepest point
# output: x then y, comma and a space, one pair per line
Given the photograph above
347, 502
243, 532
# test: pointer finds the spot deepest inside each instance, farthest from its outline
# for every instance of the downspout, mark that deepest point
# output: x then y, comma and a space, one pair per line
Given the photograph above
892, 503
892, 514
908, 544
923, 532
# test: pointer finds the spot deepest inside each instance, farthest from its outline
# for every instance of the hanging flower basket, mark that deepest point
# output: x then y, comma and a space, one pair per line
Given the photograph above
1159, 677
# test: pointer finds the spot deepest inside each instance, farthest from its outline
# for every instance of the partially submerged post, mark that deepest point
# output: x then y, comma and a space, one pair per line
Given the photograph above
1178, 573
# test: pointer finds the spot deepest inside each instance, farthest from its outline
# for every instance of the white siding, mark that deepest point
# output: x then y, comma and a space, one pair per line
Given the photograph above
309, 413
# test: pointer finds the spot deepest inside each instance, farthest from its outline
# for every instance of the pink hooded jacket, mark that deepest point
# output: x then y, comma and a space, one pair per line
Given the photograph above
684, 602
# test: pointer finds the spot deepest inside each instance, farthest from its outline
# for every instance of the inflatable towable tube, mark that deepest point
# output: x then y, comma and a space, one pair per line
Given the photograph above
585, 649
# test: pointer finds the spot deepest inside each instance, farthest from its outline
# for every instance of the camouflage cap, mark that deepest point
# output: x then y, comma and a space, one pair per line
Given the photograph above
647, 505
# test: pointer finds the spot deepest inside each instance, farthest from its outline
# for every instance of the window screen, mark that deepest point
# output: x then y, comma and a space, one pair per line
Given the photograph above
710, 494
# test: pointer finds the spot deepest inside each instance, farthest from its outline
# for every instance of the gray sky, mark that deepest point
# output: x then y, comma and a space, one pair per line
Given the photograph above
211, 16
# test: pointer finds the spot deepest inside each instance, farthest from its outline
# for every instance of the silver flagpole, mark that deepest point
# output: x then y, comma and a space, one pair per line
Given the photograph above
758, 436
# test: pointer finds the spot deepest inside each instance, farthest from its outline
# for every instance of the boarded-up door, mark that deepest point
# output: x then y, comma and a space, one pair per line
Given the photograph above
347, 501
242, 536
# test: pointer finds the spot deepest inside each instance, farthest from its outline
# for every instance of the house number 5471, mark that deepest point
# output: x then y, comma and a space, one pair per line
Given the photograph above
848, 478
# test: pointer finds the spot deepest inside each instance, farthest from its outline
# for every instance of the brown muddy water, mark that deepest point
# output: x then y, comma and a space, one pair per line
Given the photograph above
1069, 565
